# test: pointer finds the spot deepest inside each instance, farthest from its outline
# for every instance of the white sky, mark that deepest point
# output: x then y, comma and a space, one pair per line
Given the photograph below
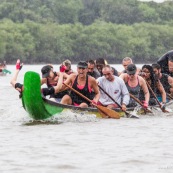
153, 0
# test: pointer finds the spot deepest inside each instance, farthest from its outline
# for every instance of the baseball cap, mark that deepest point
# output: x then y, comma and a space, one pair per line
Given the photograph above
45, 71
82, 64
131, 69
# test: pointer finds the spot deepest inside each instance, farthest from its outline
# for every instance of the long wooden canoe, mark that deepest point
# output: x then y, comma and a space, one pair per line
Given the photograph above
40, 108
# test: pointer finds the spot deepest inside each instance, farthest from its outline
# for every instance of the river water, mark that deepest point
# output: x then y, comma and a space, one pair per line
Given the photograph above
78, 143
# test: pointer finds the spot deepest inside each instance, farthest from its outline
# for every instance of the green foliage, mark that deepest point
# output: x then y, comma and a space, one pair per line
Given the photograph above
53, 30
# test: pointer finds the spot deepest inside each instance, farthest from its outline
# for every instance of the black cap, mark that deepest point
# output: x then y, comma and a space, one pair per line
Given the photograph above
131, 69
82, 64
45, 71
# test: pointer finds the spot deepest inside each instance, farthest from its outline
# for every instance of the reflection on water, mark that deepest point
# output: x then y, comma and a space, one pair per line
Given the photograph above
74, 142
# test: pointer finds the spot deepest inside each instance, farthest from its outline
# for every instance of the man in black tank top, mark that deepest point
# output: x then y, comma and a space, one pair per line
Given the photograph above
166, 63
82, 83
165, 79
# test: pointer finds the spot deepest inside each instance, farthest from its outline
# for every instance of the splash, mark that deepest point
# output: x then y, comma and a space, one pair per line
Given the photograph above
75, 116
65, 116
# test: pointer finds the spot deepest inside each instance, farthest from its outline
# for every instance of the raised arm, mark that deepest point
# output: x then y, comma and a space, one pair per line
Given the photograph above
60, 83
13, 81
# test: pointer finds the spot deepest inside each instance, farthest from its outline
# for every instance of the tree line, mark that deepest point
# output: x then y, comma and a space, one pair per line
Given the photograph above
53, 30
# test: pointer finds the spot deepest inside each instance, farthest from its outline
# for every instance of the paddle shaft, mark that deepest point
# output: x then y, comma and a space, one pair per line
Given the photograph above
138, 101
78, 93
110, 97
163, 110
153, 94
169, 95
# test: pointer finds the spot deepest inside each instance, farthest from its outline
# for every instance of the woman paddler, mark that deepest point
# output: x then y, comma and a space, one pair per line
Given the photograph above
148, 74
134, 84
82, 83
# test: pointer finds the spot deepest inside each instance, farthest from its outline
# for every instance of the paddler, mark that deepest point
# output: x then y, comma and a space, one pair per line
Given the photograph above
45, 91
50, 78
165, 79
134, 84
82, 83
148, 74
166, 63
115, 87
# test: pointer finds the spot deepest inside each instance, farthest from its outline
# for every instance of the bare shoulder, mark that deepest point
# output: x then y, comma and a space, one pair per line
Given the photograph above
141, 80
124, 76
92, 80
72, 75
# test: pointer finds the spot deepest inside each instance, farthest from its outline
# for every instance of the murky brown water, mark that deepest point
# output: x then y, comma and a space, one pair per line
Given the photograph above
79, 143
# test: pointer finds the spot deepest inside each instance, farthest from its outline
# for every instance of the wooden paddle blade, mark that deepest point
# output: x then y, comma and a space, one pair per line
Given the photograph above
108, 112
102, 114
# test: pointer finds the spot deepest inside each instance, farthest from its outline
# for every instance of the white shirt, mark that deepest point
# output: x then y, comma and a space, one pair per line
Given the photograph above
116, 89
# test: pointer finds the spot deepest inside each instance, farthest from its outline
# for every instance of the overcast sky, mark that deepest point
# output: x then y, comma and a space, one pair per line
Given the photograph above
154, 0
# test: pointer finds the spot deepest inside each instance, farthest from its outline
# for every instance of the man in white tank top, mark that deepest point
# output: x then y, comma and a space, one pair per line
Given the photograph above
115, 87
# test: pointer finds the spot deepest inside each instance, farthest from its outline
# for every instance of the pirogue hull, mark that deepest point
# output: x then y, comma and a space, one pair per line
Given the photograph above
40, 108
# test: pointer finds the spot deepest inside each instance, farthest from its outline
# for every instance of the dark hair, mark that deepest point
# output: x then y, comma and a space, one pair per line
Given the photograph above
91, 61
101, 61
170, 57
150, 69
82, 64
157, 66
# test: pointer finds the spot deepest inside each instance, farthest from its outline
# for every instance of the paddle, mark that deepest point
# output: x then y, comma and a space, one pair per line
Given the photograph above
169, 95
6, 71
127, 113
138, 101
163, 110
106, 111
